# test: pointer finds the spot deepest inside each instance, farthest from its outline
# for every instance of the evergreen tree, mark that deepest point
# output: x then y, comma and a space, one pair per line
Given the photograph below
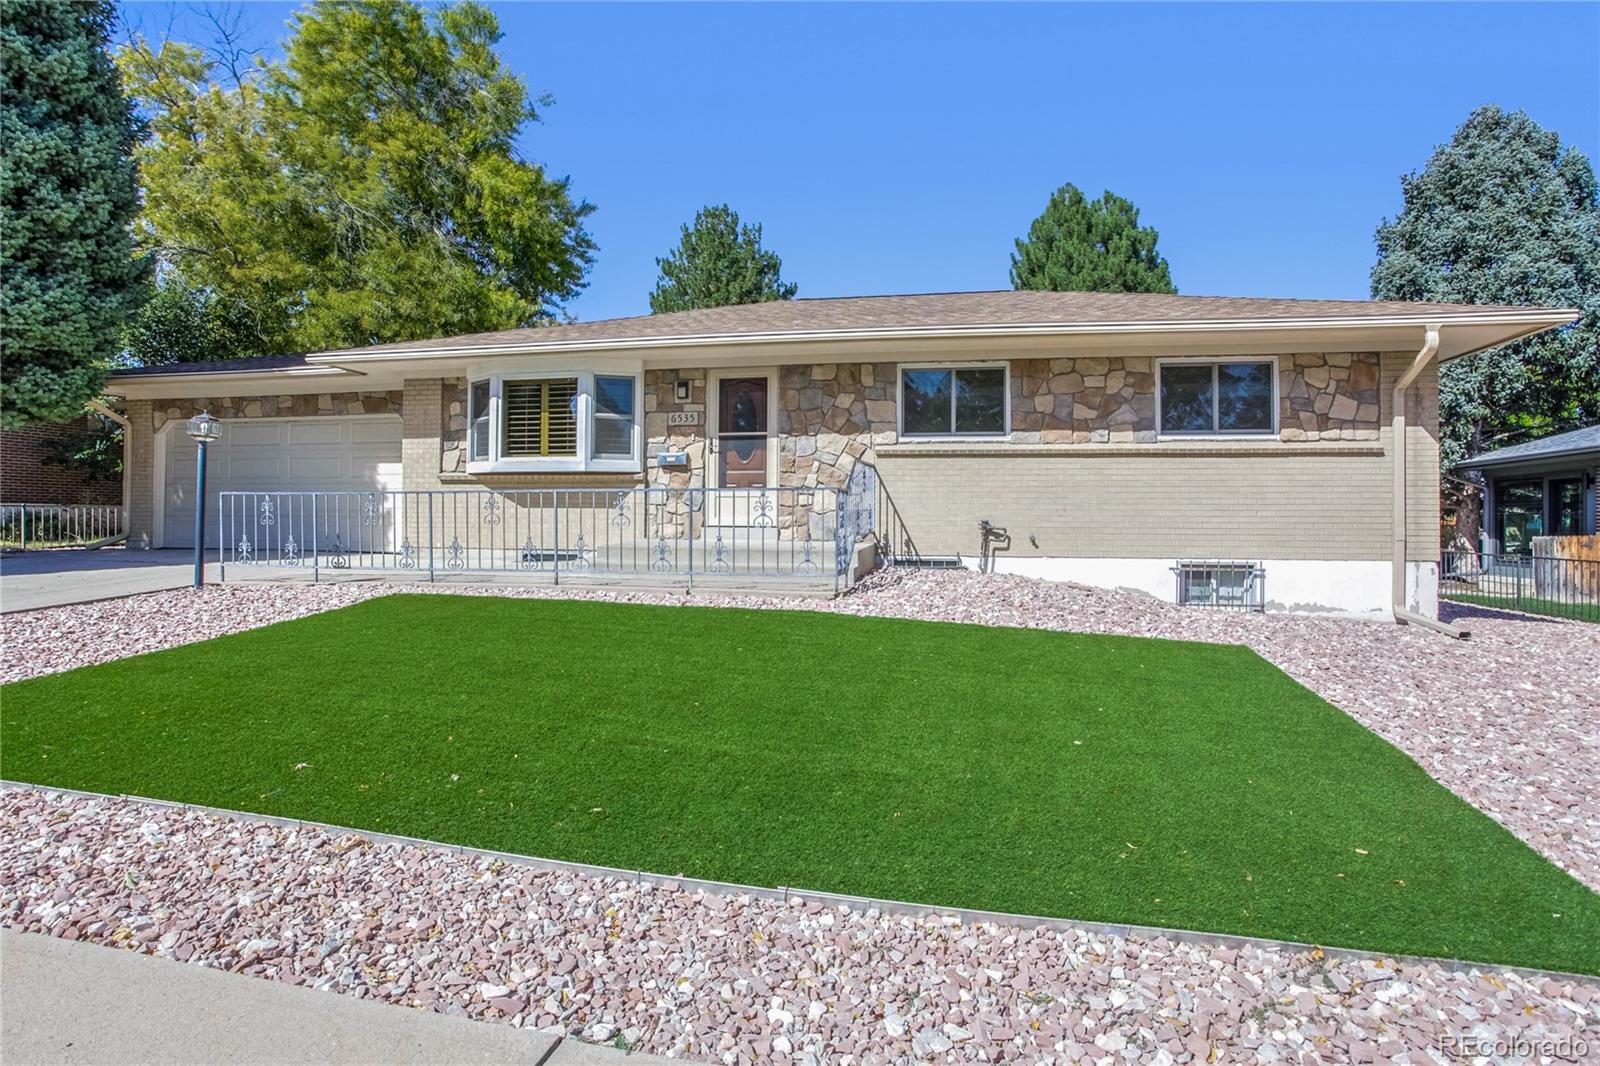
1503, 215
68, 193
717, 263
1082, 245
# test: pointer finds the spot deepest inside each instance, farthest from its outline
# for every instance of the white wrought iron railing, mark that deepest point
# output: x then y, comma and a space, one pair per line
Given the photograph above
665, 534
59, 525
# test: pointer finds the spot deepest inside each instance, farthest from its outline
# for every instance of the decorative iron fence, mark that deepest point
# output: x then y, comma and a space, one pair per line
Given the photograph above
666, 534
56, 525
1535, 584
1213, 583
872, 513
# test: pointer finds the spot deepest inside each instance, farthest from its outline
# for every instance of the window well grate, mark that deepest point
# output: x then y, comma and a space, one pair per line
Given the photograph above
1230, 584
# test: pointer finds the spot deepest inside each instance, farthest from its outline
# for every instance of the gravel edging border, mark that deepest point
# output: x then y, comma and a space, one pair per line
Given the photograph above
784, 894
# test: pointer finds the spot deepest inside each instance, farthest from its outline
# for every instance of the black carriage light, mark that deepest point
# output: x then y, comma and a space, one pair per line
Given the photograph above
204, 429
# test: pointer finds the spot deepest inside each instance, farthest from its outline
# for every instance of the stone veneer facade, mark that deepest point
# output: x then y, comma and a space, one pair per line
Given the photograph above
309, 405
831, 414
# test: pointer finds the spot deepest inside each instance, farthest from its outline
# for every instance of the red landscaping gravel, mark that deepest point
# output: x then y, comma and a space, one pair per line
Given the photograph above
1509, 720
721, 979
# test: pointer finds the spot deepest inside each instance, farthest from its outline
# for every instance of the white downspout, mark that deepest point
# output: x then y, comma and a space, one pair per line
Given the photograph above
99, 407
1403, 615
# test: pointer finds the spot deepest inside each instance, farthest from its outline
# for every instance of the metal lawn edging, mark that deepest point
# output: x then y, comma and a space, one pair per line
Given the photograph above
784, 894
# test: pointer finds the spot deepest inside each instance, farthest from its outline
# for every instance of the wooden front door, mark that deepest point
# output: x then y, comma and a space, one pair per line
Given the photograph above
742, 433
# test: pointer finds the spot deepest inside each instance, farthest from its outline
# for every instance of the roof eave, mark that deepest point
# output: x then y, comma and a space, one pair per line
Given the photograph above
1532, 321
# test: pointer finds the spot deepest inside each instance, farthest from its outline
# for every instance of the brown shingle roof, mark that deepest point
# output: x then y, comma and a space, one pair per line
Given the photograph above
935, 311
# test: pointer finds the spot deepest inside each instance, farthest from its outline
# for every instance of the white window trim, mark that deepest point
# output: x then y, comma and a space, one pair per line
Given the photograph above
984, 364
1215, 360
584, 461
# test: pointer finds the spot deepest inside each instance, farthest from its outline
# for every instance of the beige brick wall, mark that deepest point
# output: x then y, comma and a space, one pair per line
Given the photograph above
141, 473
1229, 499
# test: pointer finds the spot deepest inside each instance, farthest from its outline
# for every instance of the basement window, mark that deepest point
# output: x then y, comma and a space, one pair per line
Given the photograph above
1239, 586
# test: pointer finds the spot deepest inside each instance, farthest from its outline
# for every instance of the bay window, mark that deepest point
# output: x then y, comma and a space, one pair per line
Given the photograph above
1223, 398
541, 418
613, 418
478, 422
528, 423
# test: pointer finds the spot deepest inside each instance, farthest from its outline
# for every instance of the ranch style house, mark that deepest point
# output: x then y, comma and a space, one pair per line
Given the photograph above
1282, 452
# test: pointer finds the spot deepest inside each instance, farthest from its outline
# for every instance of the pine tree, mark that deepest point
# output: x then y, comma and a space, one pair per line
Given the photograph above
68, 193
717, 263
1079, 245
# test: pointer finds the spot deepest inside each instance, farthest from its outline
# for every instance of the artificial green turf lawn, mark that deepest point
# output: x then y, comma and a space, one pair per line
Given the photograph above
1106, 778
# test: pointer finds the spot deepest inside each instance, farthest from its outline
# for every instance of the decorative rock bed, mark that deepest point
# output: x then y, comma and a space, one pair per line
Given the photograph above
726, 979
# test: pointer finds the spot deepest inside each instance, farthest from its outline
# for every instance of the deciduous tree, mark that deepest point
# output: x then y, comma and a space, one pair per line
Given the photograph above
364, 188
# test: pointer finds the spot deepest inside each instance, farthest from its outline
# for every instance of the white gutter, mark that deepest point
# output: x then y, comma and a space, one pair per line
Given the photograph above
100, 408
1402, 614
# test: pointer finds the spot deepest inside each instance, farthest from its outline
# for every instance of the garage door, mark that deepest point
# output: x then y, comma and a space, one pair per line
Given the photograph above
356, 454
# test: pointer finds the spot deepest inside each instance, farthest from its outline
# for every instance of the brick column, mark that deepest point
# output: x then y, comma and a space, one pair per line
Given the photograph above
422, 412
141, 476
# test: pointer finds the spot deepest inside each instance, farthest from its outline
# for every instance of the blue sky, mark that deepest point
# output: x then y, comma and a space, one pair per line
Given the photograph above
901, 148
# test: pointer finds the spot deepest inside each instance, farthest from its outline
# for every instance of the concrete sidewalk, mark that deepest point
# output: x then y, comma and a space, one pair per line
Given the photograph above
34, 579
66, 1002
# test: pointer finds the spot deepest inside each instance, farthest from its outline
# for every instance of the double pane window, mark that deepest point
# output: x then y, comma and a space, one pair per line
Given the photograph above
1217, 398
953, 401
613, 418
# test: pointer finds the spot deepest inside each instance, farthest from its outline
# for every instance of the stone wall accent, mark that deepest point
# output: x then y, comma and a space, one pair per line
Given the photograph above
1112, 399
1089, 400
453, 426
1330, 396
660, 402
830, 415
308, 405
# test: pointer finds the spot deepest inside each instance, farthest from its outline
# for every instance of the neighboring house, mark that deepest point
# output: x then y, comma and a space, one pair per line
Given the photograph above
1543, 488
1111, 435
25, 477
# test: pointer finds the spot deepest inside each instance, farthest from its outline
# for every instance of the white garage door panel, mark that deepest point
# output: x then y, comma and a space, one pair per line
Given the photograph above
349, 454
317, 433
306, 468
251, 433
246, 467
370, 433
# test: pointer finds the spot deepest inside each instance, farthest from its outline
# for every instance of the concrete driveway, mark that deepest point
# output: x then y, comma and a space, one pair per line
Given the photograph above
33, 579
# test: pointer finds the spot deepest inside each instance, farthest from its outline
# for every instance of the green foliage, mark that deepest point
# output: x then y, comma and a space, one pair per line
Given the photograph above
1503, 214
1084, 776
95, 452
180, 324
364, 188
68, 192
1079, 245
718, 263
